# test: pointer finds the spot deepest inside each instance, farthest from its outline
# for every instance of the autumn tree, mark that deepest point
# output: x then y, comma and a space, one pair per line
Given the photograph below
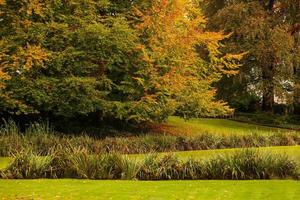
135, 61
65, 58
291, 8
182, 59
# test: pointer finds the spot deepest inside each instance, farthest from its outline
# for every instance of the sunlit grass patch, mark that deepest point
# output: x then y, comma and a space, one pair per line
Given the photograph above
176, 125
4, 161
146, 190
292, 151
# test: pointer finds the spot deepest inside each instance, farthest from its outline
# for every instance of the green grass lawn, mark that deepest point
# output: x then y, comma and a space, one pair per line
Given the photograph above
291, 151
177, 125
156, 190
4, 162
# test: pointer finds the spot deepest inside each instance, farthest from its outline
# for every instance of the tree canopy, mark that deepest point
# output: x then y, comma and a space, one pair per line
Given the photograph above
135, 61
268, 31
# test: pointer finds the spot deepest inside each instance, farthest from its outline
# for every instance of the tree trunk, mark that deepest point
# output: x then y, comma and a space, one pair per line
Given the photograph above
268, 99
296, 33
297, 77
296, 103
271, 4
268, 88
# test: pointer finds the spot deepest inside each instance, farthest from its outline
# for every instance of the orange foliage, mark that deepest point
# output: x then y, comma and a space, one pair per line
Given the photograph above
31, 55
33, 7
3, 64
174, 31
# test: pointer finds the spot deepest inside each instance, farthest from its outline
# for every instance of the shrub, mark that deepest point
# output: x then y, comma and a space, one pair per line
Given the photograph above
41, 144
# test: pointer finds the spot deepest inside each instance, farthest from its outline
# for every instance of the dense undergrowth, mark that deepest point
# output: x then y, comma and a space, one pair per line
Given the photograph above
39, 138
78, 163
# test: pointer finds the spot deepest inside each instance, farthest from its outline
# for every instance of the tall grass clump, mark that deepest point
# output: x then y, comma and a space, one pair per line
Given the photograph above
11, 139
166, 168
37, 128
250, 164
104, 166
26, 165
41, 138
70, 163
243, 165
77, 163
9, 128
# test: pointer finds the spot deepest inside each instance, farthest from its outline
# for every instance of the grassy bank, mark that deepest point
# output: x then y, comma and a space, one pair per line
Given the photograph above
291, 151
158, 190
176, 125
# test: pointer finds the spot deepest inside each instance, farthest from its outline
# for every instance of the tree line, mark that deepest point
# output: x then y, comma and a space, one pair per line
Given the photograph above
135, 61
142, 61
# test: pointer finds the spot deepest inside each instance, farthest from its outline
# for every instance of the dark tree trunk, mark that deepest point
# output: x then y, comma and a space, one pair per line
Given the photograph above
297, 78
268, 88
268, 80
271, 4
296, 103
268, 99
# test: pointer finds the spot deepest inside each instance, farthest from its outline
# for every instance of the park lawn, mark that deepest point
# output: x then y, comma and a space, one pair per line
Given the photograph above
176, 125
291, 151
158, 190
4, 162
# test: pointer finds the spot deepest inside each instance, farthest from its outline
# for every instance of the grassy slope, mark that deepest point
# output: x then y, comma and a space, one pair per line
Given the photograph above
81, 189
177, 125
292, 151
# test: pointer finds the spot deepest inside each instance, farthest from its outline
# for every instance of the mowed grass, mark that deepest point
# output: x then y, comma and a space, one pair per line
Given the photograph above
154, 190
176, 125
291, 151
4, 162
